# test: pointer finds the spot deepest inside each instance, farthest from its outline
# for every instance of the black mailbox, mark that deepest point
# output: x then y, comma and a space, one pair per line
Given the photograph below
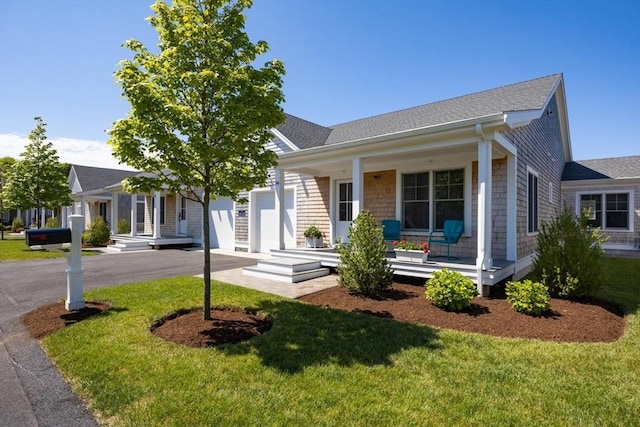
48, 236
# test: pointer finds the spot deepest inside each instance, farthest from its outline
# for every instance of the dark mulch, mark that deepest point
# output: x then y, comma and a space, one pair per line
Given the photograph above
225, 326
47, 319
567, 321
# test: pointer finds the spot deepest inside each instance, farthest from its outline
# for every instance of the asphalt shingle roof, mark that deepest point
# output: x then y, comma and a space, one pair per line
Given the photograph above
92, 178
613, 167
528, 95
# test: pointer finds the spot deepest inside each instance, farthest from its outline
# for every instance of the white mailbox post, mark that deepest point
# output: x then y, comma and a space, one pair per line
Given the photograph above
74, 269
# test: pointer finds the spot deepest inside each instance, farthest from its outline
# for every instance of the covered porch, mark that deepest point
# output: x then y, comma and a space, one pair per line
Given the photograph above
378, 174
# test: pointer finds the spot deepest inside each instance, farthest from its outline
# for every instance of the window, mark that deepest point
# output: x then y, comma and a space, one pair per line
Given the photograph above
153, 202
345, 201
449, 196
532, 202
430, 198
103, 210
140, 210
607, 211
415, 201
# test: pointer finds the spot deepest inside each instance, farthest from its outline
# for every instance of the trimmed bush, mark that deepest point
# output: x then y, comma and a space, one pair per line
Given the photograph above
123, 226
528, 297
450, 290
363, 267
98, 233
52, 223
569, 258
17, 224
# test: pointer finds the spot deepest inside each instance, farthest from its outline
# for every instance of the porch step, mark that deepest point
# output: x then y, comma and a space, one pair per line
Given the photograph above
129, 245
288, 270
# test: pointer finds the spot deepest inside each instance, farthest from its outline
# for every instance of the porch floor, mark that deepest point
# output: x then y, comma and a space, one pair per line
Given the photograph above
328, 257
124, 242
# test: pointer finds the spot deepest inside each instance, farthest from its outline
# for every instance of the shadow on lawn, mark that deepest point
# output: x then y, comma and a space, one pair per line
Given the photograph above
305, 335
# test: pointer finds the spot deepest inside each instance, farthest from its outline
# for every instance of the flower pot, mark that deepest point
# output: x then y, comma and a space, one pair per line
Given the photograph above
313, 242
404, 255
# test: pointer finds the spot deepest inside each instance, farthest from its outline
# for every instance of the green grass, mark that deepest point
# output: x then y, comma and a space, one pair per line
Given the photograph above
14, 248
322, 367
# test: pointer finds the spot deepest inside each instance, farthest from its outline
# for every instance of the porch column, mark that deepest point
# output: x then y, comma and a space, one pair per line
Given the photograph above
358, 187
156, 215
280, 207
64, 216
483, 260
114, 213
134, 215
512, 179
43, 217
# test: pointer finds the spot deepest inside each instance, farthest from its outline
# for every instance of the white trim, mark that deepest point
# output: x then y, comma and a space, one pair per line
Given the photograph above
512, 207
284, 139
630, 207
517, 119
601, 183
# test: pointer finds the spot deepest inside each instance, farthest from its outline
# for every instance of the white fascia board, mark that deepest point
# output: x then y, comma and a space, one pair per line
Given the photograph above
600, 183
505, 143
284, 139
517, 119
356, 145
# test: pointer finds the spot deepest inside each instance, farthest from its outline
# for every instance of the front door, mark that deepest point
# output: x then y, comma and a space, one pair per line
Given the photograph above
344, 209
182, 216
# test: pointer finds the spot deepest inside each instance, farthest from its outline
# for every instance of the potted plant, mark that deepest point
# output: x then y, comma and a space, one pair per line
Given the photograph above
313, 237
410, 251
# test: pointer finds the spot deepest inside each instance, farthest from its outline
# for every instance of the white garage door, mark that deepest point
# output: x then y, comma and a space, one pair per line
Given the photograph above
222, 214
266, 237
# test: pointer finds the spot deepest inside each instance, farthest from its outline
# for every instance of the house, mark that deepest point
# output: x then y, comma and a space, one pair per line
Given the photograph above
493, 159
610, 189
90, 198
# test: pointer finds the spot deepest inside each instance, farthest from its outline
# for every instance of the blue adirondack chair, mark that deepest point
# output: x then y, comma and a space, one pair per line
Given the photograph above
391, 229
451, 233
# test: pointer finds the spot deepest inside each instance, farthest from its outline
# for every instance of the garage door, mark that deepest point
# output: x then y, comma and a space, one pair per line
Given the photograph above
266, 237
222, 214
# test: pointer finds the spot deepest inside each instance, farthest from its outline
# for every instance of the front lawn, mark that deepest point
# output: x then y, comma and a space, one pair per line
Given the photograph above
324, 367
14, 248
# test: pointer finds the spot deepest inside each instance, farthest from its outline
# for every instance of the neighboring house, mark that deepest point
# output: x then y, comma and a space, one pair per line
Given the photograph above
92, 200
610, 189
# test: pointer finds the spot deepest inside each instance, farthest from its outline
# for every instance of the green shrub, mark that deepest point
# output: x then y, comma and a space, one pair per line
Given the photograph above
450, 290
569, 258
363, 267
528, 297
52, 223
17, 224
98, 233
123, 226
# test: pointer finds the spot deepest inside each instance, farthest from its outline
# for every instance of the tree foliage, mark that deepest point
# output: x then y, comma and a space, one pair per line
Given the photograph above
569, 258
200, 111
363, 267
39, 180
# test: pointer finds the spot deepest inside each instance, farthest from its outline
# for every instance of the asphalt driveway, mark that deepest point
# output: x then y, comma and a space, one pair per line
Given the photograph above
32, 392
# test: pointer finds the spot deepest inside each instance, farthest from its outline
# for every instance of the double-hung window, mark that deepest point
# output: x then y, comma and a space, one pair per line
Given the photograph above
431, 198
532, 202
607, 211
162, 209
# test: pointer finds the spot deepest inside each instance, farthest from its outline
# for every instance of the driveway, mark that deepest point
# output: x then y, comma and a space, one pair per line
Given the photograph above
33, 392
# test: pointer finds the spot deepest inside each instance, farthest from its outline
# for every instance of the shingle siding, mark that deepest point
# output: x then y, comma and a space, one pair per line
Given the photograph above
312, 205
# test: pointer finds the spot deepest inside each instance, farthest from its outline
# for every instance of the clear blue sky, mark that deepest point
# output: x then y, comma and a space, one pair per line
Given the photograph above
345, 59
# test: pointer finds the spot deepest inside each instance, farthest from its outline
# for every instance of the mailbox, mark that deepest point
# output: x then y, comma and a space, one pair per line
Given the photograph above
48, 236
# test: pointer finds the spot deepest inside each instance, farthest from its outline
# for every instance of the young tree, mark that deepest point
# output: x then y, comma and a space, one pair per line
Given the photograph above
200, 111
6, 163
39, 180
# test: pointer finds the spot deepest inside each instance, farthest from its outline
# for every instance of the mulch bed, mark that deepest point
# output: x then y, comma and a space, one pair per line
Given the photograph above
567, 321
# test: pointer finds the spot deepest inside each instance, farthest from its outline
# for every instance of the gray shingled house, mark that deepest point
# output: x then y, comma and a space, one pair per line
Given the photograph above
493, 159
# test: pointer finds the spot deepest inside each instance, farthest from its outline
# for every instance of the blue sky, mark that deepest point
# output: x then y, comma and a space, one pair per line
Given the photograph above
344, 59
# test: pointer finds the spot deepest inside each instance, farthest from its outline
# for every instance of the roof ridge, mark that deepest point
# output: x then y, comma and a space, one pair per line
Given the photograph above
557, 75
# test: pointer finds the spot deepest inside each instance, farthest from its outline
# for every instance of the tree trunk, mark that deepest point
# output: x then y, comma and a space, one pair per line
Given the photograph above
206, 305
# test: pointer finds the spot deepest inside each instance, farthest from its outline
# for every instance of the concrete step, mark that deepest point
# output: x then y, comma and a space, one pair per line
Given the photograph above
289, 277
129, 245
288, 265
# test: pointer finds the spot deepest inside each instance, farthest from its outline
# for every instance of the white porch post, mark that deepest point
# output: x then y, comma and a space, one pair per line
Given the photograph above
134, 215
64, 216
43, 217
483, 260
114, 213
358, 187
280, 207
156, 215
512, 179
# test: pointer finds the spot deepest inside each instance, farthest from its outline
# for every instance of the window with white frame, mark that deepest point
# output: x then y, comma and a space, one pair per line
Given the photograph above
532, 201
427, 204
606, 210
345, 201
102, 207
162, 209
